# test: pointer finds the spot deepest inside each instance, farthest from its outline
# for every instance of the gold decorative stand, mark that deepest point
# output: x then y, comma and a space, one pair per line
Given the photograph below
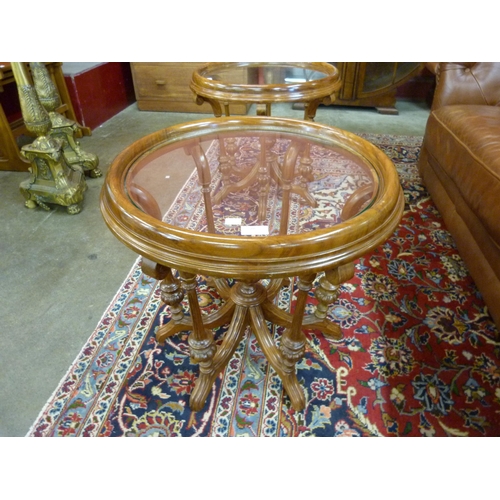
62, 128
52, 181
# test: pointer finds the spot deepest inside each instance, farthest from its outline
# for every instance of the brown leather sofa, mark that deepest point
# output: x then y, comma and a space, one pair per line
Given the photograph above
460, 165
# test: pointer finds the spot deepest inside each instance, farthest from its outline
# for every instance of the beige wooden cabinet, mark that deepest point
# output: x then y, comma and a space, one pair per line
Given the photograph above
164, 86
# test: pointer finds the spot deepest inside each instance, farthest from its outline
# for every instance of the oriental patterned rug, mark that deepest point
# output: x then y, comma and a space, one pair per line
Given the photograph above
419, 354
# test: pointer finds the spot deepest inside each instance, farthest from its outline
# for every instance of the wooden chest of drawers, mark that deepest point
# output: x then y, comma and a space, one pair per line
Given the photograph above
165, 87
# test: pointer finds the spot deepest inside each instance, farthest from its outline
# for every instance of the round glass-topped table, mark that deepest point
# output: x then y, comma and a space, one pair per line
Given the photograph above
248, 238
265, 83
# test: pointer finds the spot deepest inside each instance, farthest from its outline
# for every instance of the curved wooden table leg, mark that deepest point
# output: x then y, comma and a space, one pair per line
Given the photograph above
292, 345
273, 355
216, 107
171, 328
248, 180
253, 298
356, 201
249, 303
172, 294
293, 341
201, 341
275, 286
220, 317
310, 109
221, 285
276, 315
209, 373
244, 297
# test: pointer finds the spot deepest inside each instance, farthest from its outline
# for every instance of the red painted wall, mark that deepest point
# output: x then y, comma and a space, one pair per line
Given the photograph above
101, 92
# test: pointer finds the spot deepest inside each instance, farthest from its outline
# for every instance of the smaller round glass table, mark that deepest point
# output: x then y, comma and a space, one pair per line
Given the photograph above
182, 199
265, 83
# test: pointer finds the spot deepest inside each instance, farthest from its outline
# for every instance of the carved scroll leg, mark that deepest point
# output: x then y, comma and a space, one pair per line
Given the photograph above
201, 344
327, 293
89, 161
76, 157
293, 343
275, 358
203, 349
210, 368
292, 346
231, 340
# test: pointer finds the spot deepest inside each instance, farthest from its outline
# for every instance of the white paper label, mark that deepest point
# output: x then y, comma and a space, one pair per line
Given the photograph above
254, 230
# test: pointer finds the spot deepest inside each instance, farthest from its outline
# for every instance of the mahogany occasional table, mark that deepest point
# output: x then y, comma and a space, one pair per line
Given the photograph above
265, 83
254, 237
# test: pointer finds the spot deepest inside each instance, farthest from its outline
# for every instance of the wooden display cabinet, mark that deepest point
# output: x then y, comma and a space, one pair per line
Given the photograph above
374, 84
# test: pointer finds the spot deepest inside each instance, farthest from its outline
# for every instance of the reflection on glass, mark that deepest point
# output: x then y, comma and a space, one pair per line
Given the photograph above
254, 74
251, 184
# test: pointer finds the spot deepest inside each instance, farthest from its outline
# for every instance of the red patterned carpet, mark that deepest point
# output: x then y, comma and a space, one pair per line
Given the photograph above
419, 354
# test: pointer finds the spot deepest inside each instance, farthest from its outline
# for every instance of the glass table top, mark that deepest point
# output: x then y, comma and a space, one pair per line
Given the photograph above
250, 197
251, 183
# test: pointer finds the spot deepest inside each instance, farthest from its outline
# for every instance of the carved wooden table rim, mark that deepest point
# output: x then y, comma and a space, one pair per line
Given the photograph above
248, 260
220, 93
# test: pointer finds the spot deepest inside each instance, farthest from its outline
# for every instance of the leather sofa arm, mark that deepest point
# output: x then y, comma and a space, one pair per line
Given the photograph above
467, 83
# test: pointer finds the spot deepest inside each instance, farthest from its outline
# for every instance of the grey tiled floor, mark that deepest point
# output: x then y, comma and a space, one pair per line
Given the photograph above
59, 272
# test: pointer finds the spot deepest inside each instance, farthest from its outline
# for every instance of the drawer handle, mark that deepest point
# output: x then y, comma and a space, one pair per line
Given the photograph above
160, 82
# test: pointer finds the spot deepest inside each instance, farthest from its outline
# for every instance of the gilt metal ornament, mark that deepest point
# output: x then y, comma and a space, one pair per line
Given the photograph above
62, 127
51, 180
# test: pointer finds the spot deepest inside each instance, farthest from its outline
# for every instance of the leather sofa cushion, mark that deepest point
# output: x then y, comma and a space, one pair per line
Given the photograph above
465, 141
471, 83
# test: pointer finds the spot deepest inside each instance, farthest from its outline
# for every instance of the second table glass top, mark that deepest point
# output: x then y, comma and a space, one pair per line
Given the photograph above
262, 74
